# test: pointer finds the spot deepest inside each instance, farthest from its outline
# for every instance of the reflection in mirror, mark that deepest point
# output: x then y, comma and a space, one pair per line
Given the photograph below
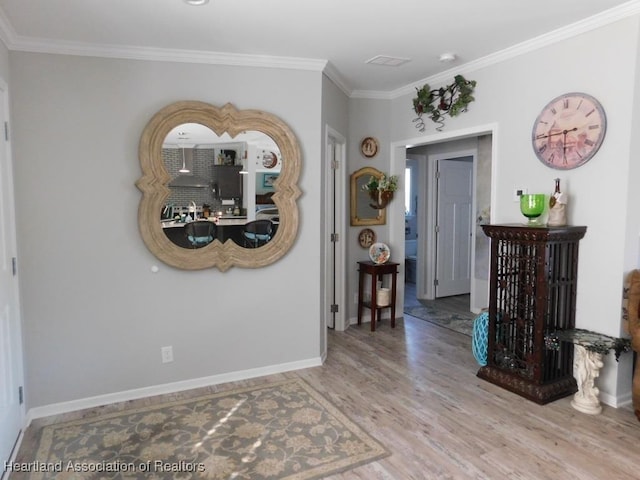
211, 175
221, 180
362, 212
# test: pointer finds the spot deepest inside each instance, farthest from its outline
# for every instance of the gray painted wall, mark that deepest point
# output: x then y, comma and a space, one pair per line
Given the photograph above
4, 62
368, 118
509, 96
94, 314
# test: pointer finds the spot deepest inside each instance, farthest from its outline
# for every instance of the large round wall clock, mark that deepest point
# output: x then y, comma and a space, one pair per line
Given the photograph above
569, 131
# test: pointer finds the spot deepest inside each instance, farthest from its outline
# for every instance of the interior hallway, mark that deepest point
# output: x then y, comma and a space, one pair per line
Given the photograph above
454, 304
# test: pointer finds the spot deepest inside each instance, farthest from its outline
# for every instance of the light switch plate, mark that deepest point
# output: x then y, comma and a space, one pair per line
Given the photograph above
518, 192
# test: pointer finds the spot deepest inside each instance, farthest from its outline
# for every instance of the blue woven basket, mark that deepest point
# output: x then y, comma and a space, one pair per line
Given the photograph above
480, 338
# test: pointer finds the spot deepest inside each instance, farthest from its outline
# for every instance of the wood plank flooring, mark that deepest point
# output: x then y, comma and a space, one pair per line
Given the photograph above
415, 389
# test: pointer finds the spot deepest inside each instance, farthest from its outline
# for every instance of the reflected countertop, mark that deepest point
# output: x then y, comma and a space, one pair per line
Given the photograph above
222, 221
231, 220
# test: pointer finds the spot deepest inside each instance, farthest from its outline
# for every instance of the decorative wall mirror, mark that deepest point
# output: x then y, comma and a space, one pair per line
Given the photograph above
362, 213
203, 186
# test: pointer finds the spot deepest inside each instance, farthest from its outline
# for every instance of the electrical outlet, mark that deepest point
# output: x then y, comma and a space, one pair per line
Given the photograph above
517, 193
167, 354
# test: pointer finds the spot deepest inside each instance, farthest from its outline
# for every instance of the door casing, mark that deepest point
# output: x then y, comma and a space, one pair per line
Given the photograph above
395, 210
12, 408
334, 222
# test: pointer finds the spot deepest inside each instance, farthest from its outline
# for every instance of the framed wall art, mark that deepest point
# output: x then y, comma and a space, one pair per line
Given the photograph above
268, 179
369, 147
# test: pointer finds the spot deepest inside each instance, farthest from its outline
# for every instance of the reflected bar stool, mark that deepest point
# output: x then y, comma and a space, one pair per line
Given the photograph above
257, 233
200, 233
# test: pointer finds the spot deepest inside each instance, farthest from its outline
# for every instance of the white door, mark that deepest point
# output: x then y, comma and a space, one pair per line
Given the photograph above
453, 226
11, 412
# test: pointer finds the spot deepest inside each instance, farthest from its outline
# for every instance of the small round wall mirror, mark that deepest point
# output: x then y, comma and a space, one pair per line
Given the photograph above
209, 200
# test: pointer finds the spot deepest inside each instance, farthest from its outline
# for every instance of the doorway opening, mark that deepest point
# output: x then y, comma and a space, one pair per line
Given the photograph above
446, 219
433, 248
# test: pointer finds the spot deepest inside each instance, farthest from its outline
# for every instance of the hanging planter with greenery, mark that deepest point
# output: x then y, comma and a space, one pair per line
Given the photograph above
380, 190
452, 99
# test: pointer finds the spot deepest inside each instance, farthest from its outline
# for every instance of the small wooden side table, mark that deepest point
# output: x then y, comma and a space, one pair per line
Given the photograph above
376, 271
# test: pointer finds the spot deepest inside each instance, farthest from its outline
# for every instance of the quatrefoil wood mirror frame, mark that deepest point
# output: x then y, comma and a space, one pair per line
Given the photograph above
155, 178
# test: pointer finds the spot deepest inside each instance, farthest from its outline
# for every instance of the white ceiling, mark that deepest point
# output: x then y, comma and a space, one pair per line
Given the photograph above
194, 135
335, 35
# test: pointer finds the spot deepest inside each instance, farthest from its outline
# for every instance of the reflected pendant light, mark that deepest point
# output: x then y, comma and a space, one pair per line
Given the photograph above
184, 168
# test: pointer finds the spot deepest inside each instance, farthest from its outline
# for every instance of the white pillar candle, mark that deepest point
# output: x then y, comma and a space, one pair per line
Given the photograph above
383, 298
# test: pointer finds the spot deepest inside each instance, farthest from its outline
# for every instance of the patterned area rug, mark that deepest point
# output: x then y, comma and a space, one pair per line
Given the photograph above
283, 430
456, 321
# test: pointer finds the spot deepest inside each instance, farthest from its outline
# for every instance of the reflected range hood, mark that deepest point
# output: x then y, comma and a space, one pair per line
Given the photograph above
186, 178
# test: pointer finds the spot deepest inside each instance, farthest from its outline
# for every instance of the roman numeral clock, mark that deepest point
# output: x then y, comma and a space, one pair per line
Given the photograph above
569, 131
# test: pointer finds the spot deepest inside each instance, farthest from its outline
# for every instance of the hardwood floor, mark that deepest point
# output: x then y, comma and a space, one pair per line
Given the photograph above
415, 389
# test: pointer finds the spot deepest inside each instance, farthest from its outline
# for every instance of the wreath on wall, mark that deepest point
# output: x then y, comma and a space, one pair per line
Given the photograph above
452, 100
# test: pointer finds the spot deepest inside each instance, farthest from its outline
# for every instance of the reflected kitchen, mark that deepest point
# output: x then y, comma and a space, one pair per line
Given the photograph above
221, 187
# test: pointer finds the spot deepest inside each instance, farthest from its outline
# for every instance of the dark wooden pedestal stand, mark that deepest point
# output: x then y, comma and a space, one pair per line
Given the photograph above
532, 293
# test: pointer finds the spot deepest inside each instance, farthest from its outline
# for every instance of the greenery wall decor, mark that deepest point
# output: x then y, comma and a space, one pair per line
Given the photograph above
381, 190
452, 99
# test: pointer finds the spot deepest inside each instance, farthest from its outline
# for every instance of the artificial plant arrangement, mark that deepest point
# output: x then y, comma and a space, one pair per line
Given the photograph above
452, 99
381, 189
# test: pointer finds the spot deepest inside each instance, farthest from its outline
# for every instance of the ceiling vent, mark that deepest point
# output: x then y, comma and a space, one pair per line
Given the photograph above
387, 61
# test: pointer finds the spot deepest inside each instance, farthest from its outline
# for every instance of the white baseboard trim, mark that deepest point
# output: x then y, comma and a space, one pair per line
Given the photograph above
91, 402
366, 318
620, 401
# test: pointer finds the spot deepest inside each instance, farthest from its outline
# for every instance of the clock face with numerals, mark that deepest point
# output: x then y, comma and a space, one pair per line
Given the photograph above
569, 131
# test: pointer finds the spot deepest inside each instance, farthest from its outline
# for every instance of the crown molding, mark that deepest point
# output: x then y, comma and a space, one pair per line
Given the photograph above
7, 33
373, 94
591, 23
336, 77
38, 45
